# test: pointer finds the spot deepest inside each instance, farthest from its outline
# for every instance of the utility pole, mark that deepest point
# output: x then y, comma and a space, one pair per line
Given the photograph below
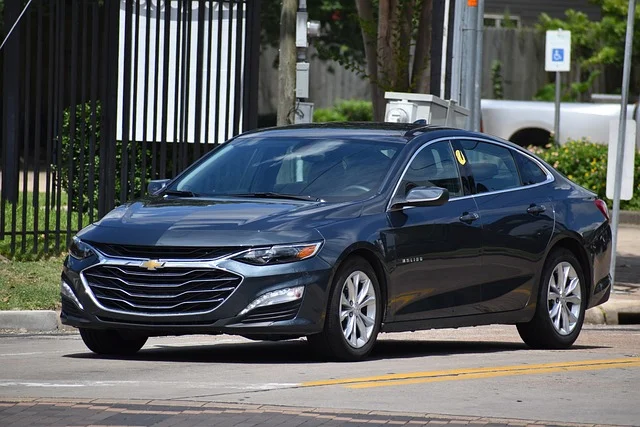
469, 58
477, 85
287, 65
456, 57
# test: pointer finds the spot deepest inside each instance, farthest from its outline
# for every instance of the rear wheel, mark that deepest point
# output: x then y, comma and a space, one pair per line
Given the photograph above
112, 342
561, 304
354, 313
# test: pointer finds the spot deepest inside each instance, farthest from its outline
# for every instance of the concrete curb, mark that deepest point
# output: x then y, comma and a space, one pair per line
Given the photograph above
610, 312
630, 217
30, 320
49, 321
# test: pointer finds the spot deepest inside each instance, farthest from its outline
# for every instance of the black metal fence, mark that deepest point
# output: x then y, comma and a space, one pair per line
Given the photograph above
99, 96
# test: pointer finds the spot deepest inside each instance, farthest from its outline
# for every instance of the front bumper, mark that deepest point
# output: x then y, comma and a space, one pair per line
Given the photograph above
295, 318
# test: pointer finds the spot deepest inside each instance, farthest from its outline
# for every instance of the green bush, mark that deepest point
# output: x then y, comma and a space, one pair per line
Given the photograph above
345, 111
585, 163
80, 170
82, 161
322, 115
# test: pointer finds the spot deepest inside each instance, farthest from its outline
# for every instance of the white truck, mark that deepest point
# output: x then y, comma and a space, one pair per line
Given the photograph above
532, 122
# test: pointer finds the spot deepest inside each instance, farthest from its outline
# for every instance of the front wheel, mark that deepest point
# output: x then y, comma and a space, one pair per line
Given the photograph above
561, 304
354, 313
112, 342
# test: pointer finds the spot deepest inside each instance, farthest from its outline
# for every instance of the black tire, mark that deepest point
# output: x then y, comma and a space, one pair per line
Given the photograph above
111, 342
542, 331
331, 343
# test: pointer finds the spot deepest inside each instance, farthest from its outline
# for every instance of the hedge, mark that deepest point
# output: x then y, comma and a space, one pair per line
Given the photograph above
345, 111
585, 163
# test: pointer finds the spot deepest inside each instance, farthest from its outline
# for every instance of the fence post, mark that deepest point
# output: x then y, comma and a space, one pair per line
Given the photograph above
108, 144
11, 104
251, 66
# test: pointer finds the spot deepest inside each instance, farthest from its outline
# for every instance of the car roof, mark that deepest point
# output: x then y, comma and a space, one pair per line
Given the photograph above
390, 132
400, 132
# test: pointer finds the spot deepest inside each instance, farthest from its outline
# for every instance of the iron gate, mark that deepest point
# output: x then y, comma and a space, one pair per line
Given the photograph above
99, 96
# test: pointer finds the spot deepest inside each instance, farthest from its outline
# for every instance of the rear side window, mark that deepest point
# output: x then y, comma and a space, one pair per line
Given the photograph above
530, 172
492, 166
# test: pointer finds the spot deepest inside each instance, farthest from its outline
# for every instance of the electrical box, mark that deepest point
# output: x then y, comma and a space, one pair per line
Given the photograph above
409, 107
302, 80
301, 28
304, 112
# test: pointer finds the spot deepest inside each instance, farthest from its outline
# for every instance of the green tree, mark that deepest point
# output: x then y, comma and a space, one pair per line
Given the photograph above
2, 18
397, 41
596, 43
340, 37
386, 41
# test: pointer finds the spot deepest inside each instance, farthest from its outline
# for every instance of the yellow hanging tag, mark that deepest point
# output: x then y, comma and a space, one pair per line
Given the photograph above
460, 157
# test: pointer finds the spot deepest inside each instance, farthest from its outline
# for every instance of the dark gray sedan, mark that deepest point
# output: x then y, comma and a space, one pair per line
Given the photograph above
339, 232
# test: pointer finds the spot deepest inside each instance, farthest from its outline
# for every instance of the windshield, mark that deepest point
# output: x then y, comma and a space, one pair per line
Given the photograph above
315, 168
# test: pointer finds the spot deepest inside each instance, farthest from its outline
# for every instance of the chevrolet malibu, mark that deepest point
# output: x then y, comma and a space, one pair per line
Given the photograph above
339, 232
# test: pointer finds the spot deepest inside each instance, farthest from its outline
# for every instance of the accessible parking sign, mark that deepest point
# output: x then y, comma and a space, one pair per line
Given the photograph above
558, 51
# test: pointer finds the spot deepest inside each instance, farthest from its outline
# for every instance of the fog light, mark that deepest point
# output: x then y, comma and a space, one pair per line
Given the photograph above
66, 290
275, 297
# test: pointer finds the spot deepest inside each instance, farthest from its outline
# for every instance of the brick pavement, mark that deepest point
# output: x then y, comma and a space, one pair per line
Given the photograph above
162, 413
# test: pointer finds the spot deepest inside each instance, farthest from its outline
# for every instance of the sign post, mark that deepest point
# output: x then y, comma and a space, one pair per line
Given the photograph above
558, 59
622, 132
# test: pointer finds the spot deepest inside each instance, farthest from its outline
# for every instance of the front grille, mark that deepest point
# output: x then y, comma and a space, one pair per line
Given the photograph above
156, 322
168, 291
273, 313
163, 252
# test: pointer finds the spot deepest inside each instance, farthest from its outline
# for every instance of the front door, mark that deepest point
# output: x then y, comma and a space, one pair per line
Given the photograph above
437, 248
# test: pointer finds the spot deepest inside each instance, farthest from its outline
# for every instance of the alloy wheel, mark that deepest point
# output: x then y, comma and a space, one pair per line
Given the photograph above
564, 298
358, 309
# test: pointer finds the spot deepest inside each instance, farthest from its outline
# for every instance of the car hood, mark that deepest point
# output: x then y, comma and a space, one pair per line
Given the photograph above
216, 222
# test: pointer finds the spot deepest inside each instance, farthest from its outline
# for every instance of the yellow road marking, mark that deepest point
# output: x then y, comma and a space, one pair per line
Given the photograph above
474, 373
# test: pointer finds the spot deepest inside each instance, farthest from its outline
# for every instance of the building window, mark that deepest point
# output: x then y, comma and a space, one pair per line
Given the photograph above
501, 21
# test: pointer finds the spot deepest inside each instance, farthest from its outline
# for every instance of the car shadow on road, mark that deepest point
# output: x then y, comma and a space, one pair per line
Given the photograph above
297, 351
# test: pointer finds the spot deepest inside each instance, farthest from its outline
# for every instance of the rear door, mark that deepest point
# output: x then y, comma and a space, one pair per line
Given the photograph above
511, 191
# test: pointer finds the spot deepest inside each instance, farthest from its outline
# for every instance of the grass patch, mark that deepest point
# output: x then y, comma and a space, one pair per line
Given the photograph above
47, 242
28, 285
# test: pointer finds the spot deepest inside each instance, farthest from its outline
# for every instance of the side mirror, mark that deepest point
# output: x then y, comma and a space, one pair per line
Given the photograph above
156, 185
423, 196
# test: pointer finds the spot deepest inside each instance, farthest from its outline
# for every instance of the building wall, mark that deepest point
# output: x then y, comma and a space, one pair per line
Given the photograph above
529, 11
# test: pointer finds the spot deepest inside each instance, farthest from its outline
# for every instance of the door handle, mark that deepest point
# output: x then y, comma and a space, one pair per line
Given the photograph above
536, 209
469, 217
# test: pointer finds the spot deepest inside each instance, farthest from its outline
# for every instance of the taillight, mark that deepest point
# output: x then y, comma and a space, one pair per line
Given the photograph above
602, 207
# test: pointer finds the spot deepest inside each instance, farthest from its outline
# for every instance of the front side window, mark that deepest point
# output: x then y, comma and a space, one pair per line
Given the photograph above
492, 166
433, 166
322, 168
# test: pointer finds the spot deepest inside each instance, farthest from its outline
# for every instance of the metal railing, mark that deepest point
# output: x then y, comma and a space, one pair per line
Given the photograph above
100, 96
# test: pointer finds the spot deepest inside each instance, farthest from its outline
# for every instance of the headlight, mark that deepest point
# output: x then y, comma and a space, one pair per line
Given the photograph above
79, 249
280, 296
279, 254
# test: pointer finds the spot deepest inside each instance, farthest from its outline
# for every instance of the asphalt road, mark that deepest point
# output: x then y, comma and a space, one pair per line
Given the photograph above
475, 372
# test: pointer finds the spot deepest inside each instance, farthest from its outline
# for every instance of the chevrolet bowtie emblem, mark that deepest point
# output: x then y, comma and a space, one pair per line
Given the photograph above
152, 264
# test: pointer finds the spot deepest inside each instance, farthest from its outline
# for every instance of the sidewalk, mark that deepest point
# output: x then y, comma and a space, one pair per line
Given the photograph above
623, 306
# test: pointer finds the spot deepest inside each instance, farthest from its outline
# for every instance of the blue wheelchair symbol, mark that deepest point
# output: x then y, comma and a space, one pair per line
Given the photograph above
557, 55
